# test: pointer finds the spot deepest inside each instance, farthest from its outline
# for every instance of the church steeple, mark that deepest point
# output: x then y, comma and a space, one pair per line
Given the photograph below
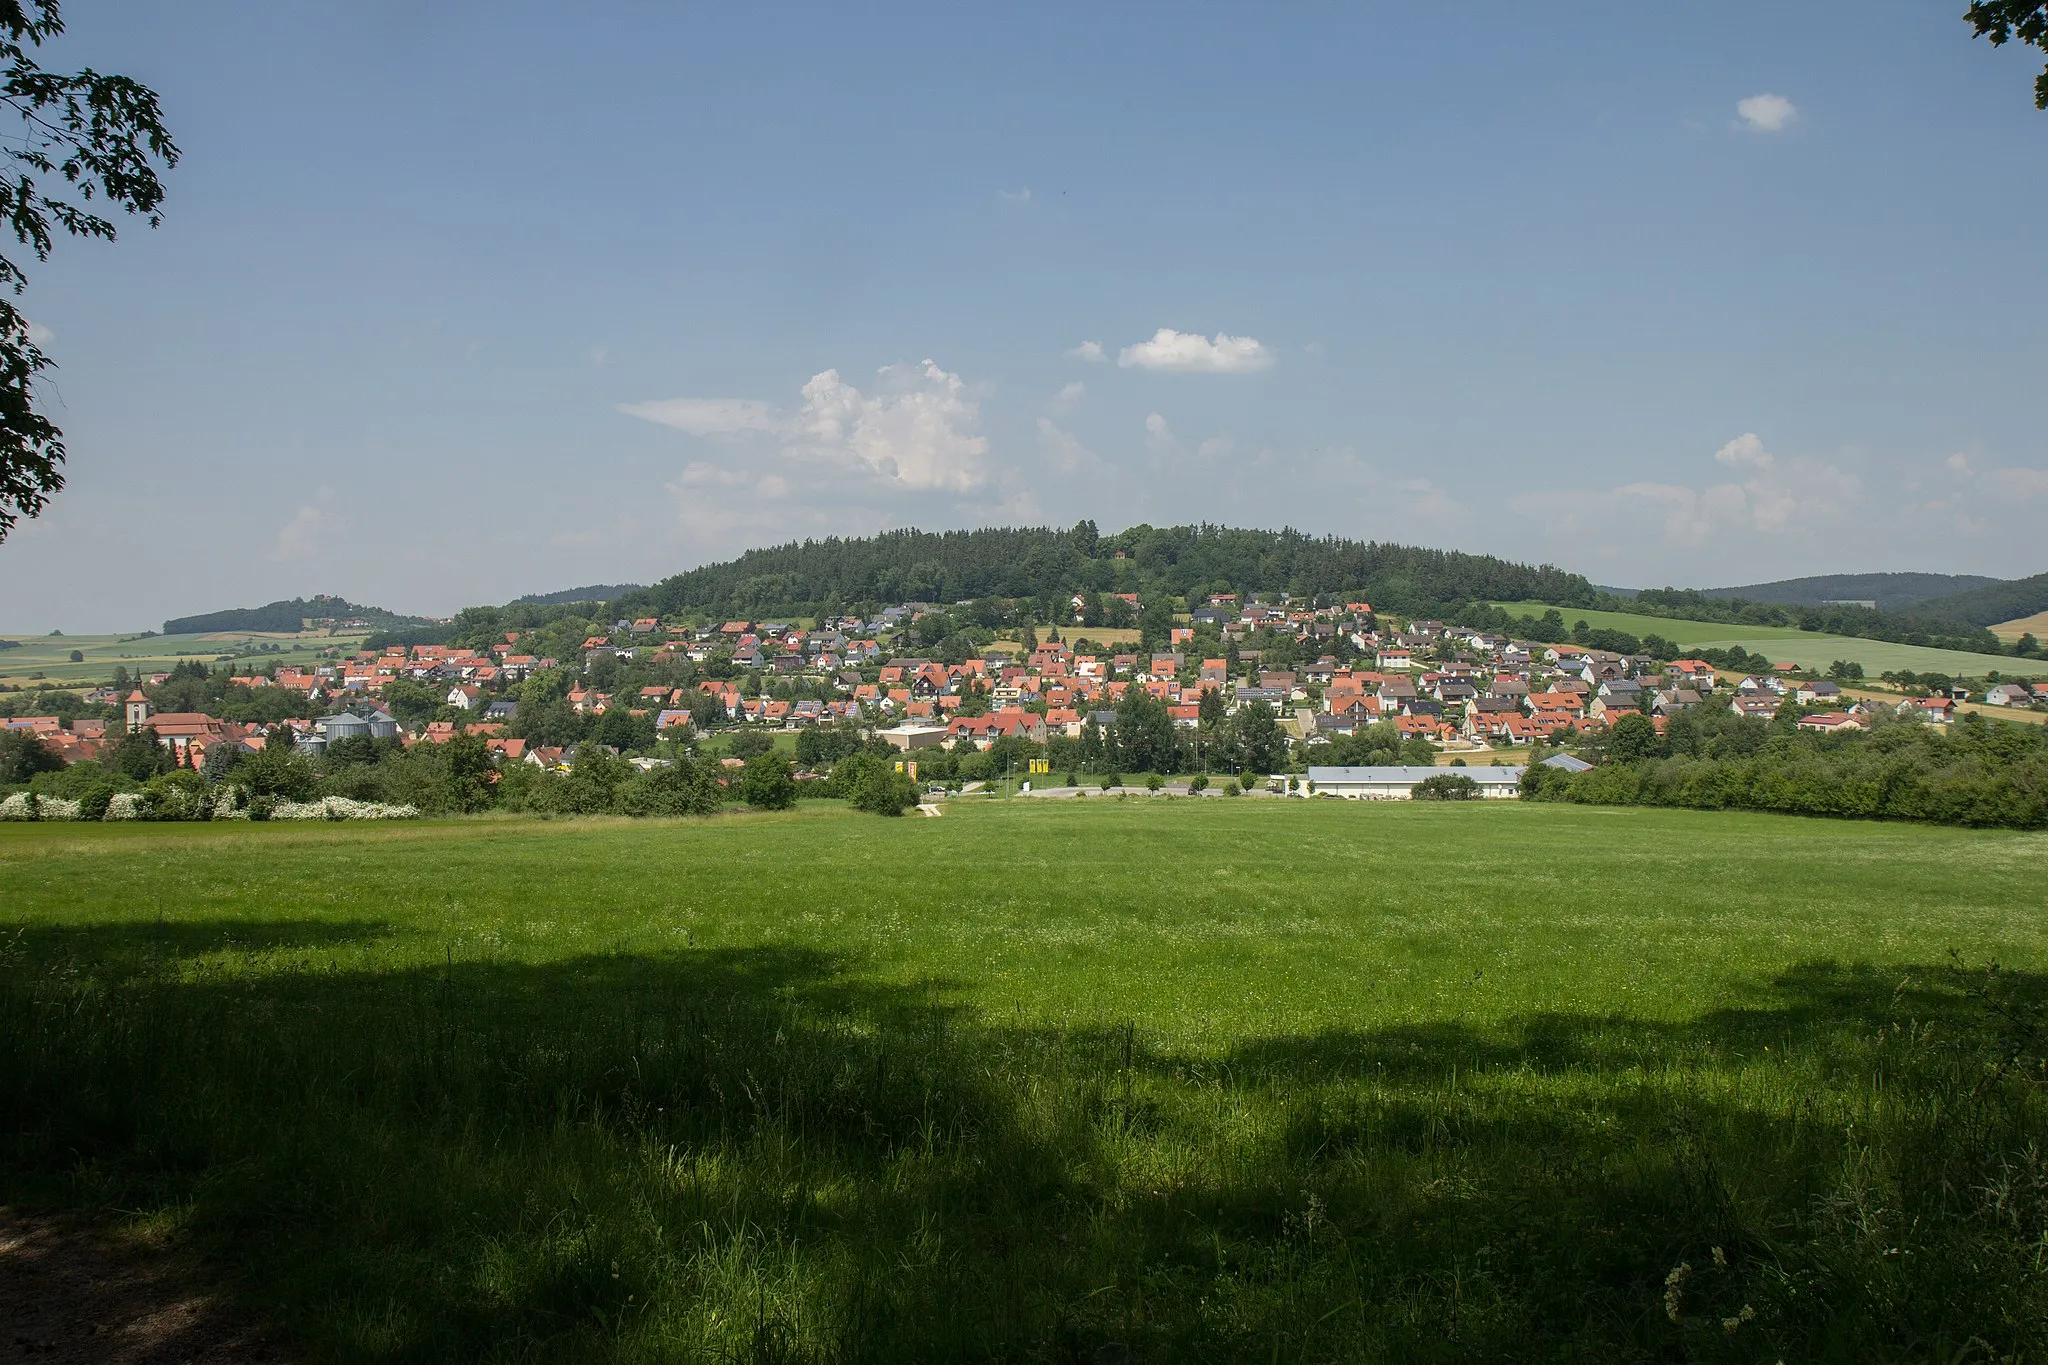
137, 707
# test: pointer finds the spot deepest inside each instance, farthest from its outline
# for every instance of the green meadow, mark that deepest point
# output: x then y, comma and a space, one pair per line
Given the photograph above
1145, 1079
1787, 644
47, 658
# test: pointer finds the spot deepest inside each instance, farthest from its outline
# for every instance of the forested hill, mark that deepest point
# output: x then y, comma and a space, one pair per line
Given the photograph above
288, 615
1993, 603
1040, 563
596, 592
1891, 591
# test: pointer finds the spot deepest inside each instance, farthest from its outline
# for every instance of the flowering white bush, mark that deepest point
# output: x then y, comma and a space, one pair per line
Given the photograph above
19, 807
341, 808
230, 803
127, 806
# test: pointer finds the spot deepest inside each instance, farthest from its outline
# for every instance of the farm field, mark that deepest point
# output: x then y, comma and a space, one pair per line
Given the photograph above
1145, 1080
1787, 645
50, 655
2035, 625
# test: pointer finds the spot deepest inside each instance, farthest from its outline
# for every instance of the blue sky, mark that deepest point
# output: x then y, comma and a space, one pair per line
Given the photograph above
457, 302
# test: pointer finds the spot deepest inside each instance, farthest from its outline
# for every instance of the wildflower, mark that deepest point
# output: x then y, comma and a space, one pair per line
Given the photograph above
1674, 1290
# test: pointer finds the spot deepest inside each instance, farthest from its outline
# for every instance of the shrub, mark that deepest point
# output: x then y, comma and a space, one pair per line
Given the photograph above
1446, 787
1198, 783
129, 806
338, 808
1153, 782
766, 782
94, 800
884, 791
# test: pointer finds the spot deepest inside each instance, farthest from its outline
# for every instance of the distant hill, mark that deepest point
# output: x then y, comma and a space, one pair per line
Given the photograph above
1890, 591
287, 616
1991, 603
1047, 564
596, 592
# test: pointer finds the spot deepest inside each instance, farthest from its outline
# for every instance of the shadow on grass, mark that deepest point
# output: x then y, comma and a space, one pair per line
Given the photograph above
131, 947
757, 1153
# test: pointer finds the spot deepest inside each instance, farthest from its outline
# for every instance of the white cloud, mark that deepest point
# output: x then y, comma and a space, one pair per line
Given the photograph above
2013, 483
706, 416
1766, 113
1064, 450
915, 432
698, 474
1155, 425
1022, 196
39, 335
1746, 452
1070, 395
1090, 351
306, 533
1189, 352
1428, 502
918, 432
1769, 498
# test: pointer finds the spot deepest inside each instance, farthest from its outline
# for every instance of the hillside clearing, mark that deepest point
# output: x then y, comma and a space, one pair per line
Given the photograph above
2035, 625
1785, 644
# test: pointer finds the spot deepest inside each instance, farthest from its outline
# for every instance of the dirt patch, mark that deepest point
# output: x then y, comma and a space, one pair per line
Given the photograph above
71, 1292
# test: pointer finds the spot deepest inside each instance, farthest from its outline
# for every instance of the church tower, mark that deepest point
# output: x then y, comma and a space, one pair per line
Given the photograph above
138, 710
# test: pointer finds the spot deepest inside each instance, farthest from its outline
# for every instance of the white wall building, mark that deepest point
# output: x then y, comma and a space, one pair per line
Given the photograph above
1399, 783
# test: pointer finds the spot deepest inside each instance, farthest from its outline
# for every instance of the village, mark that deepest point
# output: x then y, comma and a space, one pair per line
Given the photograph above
1474, 698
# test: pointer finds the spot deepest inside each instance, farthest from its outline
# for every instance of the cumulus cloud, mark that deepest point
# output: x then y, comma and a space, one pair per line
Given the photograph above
1070, 396
915, 431
1768, 497
1766, 113
1746, 452
1090, 351
1192, 353
307, 532
2012, 483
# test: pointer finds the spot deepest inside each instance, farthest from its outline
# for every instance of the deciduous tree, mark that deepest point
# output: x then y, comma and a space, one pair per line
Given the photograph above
87, 142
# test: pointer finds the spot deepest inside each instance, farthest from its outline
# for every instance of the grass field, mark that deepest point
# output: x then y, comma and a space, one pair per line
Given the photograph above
50, 655
1786, 645
2035, 625
1145, 1080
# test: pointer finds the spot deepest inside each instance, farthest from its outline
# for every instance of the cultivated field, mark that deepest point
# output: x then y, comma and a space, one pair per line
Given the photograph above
1787, 645
1146, 1080
50, 655
2035, 625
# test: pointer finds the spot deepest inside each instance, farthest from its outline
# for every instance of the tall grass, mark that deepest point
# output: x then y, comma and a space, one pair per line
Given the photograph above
764, 1152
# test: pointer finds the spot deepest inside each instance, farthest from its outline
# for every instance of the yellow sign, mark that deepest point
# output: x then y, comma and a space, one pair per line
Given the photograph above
1041, 765
899, 765
912, 768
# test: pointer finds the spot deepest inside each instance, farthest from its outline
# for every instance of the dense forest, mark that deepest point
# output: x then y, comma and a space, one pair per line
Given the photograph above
835, 575
1993, 603
1890, 591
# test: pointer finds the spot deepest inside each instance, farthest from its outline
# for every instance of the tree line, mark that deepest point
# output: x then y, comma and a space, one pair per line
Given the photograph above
1975, 772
